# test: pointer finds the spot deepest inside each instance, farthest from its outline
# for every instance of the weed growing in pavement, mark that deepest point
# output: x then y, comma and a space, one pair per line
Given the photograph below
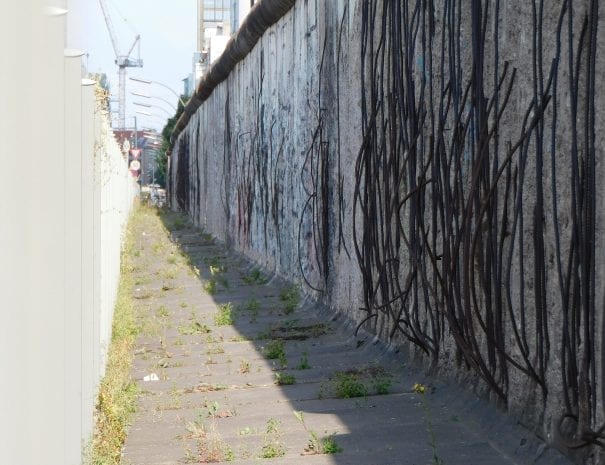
382, 385
329, 445
272, 447
251, 306
162, 312
317, 445
223, 281
215, 262
346, 386
142, 280
217, 272
170, 273
225, 315
284, 379
211, 447
215, 350
247, 431
304, 362
255, 277
212, 409
167, 287
195, 327
175, 398
206, 237
420, 389
266, 334
196, 428
290, 297
210, 286
244, 366
157, 247
274, 349
178, 224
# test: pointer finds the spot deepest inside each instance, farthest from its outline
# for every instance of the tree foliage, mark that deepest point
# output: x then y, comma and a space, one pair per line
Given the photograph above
162, 157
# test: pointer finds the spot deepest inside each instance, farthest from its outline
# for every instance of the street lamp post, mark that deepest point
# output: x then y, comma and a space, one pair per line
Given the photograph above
148, 81
150, 105
167, 102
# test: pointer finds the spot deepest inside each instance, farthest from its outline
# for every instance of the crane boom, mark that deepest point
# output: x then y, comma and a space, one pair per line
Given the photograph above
136, 40
123, 61
110, 28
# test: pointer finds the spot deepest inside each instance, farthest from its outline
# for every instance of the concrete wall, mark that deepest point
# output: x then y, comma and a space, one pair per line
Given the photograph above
66, 196
433, 174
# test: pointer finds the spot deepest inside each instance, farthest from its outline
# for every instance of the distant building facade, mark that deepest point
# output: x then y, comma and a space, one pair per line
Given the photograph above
239, 11
217, 20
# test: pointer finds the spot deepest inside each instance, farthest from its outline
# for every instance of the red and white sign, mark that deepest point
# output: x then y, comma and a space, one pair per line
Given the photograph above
135, 153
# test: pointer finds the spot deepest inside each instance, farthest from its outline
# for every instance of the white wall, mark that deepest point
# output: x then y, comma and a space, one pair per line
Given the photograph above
65, 197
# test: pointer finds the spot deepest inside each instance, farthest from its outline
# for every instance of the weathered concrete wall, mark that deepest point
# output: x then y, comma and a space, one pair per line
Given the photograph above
430, 170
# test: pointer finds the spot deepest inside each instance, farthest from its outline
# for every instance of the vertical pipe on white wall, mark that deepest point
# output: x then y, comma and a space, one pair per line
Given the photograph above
18, 17
105, 187
73, 254
87, 195
45, 336
98, 368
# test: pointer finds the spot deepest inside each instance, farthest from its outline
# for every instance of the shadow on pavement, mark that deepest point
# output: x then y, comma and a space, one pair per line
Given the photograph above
251, 372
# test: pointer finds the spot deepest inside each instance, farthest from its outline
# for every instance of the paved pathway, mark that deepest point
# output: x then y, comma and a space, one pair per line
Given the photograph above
213, 389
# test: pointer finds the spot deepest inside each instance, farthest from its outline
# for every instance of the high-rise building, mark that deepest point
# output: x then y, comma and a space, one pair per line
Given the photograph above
212, 16
216, 21
239, 10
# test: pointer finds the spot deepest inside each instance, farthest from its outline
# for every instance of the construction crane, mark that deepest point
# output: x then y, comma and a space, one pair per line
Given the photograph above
123, 61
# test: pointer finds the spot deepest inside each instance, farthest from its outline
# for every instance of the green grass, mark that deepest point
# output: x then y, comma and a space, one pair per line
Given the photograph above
178, 223
118, 392
290, 297
304, 362
195, 327
317, 445
382, 385
251, 306
347, 385
420, 389
210, 286
244, 366
329, 445
225, 315
272, 447
275, 350
215, 350
284, 379
255, 277
162, 312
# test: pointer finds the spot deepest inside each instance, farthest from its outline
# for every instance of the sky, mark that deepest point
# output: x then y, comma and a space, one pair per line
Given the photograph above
168, 40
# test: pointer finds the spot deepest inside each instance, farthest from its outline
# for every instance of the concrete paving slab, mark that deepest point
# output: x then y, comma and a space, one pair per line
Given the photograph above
216, 397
